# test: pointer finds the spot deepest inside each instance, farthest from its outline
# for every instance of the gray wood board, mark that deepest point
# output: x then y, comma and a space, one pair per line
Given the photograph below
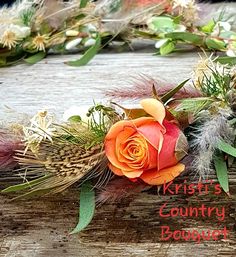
39, 228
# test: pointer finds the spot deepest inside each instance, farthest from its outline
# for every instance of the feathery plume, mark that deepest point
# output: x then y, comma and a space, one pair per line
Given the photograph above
212, 130
143, 87
118, 189
9, 144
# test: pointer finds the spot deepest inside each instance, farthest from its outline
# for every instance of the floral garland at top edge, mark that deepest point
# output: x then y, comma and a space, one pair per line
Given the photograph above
29, 30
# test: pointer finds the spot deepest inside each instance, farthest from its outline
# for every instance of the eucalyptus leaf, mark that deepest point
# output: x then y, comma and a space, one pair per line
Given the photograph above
35, 58
186, 36
167, 48
161, 24
222, 172
227, 148
215, 44
88, 55
87, 207
226, 60
194, 105
208, 28
75, 118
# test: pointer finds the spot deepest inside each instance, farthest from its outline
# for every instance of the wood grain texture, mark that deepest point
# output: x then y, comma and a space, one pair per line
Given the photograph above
40, 227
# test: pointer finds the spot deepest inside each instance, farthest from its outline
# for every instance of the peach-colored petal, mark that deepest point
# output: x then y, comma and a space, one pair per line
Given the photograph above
154, 108
110, 148
133, 174
121, 138
154, 177
119, 126
134, 149
117, 171
110, 140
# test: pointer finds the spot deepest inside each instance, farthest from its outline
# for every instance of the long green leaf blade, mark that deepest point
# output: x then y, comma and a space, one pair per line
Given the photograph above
186, 36
222, 172
35, 58
88, 55
173, 91
87, 207
24, 186
226, 60
227, 148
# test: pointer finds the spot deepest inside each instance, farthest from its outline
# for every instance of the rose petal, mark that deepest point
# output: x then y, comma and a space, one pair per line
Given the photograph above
133, 174
119, 126
110, 150
154, 177
154, 108
153, 134
117, 171
167, 156
122, 137
153, 157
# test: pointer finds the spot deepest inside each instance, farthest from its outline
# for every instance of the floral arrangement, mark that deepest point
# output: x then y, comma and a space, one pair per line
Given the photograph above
30, 29
118, 152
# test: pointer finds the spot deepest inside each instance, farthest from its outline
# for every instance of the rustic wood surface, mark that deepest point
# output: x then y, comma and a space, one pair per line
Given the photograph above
40, 227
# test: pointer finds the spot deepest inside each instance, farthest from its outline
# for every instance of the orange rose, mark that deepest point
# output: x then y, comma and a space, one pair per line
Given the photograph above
148, 148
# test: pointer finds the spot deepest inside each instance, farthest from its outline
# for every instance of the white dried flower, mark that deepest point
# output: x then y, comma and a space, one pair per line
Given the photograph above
219, 27
181, 3
160, 43
231, 53
90, 42
72, 33
10, 35
39, 42
188, 9
39, 130
71, 45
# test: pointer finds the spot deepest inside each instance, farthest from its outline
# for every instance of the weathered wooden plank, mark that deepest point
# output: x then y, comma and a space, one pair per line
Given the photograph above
56, 86
40, 227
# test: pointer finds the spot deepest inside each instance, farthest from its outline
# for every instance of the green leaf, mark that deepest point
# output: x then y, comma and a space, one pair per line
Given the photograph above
173, 91
83, 3
87, 207
221, 172
194, 105
227, 148
167, 48
161, 24
35, 58
226, 60
75, 118
3, 61
24, 186
208, 28
88, 55
215, 44
186, 36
